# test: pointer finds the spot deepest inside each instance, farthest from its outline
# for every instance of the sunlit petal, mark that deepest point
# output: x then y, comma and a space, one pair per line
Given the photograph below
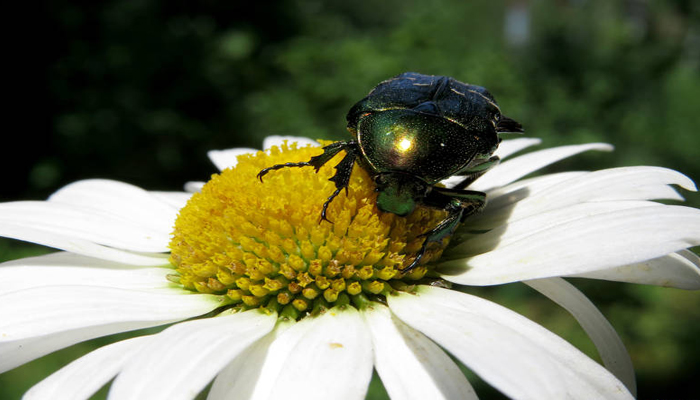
29, 328
532, 196
223, 159
607, 341
678, 270
516, 168
332, 360
80, 246
505, 149
194, 187
284, 342
245, 376
520, 229
174, 199
410, 365
66, 259
77, 222
270, 141
615, 238
501, 201
20, 277
512, 353
83, 377
128, 202
631, 183
509, 147
182, 359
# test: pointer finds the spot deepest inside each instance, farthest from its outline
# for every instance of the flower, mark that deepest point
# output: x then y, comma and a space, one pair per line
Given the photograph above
266, 301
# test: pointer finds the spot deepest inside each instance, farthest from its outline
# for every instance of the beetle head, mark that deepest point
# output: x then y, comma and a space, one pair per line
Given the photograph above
399, 192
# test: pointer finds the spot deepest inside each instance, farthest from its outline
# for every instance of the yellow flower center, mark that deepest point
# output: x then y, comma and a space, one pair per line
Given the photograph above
262, 244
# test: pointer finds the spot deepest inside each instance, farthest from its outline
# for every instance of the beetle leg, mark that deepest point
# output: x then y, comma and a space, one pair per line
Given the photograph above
343, 169
459, 204
341, 178
471, 201
317, 161
473, 172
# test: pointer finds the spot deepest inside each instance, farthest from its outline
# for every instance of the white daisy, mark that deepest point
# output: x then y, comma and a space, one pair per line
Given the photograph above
267, 302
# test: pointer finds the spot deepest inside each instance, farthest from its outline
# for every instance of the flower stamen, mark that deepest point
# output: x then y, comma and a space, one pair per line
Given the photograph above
262, 245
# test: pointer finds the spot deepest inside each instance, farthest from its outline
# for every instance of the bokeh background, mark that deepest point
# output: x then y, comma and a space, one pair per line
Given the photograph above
139, 90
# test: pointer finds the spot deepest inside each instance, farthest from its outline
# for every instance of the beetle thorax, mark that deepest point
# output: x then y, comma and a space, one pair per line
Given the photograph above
427, 146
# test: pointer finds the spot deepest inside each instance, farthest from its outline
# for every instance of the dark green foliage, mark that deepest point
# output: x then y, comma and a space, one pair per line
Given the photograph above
138, 91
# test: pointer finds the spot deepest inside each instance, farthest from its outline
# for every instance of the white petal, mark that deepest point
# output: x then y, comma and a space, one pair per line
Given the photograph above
194, 187
279, 140
510, 352
332, 360
223, 159
452, 181
119, 199
530, 186
83, 377
179, 362
679, 270
245, 374
20, 277
80, 246
583, 245
518, 167
522, 228
82, 223
37, 321
285, 339
66, 259
512, 146
610, 347
628, 183
176, 200
410, 365
505, 149
501, 201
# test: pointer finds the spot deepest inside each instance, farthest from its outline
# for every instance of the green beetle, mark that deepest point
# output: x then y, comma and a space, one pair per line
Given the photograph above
410, 133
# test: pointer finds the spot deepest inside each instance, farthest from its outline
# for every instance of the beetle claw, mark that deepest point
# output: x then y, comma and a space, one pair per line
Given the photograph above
325, 210
415, 261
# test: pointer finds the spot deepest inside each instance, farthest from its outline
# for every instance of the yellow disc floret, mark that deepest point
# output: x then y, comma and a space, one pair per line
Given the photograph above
261, 242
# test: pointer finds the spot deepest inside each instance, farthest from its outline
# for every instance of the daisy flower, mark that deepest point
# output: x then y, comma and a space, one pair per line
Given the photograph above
263, 300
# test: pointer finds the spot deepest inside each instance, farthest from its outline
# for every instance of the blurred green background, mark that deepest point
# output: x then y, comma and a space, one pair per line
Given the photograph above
138, 91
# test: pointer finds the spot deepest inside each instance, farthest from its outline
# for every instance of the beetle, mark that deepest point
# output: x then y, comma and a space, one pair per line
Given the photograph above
411, 132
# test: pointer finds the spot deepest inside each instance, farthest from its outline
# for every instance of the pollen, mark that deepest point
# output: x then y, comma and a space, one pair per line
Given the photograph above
263, 244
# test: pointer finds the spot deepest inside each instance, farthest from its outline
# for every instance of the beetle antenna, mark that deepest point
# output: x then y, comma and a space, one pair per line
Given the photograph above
506, 124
